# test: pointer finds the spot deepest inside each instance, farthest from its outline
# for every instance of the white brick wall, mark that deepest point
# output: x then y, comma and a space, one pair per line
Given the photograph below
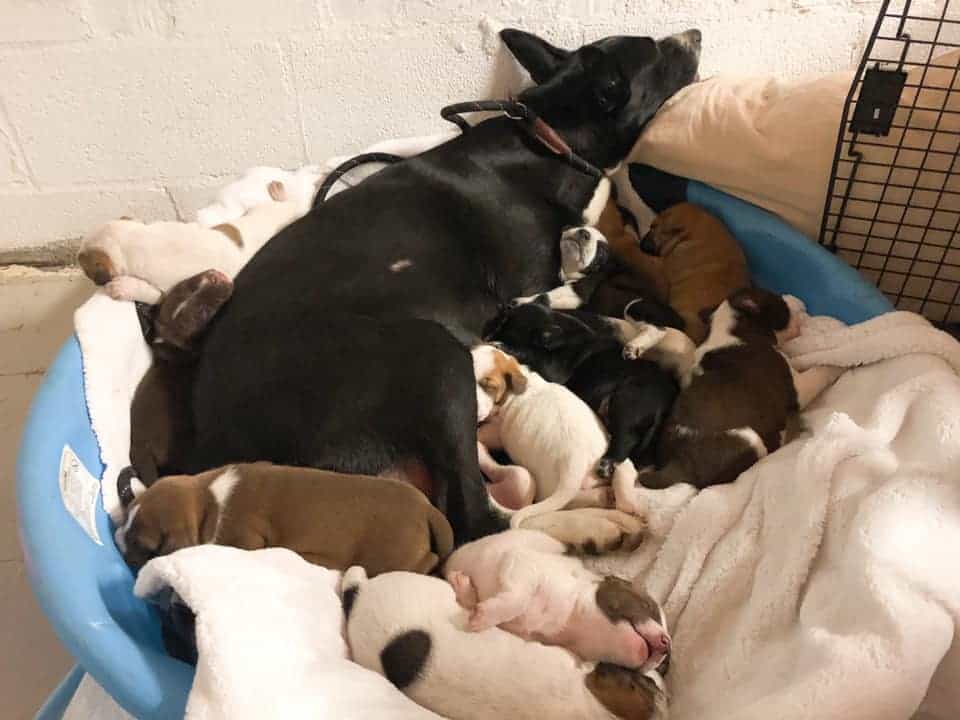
145, 107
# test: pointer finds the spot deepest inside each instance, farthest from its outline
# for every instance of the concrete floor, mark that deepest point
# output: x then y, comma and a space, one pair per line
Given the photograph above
36, 316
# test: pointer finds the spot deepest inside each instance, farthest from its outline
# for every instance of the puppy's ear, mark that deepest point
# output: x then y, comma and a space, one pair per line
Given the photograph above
537, 56
516, 380
129, 486
745, 303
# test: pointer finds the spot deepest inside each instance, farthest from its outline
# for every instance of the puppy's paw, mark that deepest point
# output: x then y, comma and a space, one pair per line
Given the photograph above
646, 338
133, 289
589, 531
277, 191
606, 467
479, 620
464, 589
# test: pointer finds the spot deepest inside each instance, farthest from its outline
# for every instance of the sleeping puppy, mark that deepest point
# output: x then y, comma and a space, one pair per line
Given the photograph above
632, 397
134, 261
253, 189
330, 519
161, 431
739, 395
523, 581
550, 432
410, 629
697, 258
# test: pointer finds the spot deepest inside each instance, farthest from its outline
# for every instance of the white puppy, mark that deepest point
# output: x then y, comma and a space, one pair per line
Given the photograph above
137, 261
523, 581
251, 190
546, 429
410, 629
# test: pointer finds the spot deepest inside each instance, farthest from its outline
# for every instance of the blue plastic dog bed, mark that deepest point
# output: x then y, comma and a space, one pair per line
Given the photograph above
86, 590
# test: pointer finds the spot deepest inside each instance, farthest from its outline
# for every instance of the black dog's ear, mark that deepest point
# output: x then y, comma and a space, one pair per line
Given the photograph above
538, 57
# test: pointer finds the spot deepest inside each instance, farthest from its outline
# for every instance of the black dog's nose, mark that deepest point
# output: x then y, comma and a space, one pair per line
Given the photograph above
583, 235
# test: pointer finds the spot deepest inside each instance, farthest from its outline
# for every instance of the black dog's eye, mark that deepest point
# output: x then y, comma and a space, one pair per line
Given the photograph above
610, 94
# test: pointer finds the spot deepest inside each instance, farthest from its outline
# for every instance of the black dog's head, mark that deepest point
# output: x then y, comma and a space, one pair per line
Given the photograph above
600, 96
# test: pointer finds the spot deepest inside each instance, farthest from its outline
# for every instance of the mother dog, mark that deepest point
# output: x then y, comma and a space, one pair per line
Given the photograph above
344, 346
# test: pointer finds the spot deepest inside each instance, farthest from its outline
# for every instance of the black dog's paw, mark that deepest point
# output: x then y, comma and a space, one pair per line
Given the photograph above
606, 467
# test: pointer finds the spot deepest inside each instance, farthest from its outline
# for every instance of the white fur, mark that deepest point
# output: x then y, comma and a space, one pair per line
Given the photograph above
721, 335
398, 265
468, 676
483, 365
150, 259
601, 194
553, 434
576, 255
120, 536
221, 489
250, 191
751, 438
564, 297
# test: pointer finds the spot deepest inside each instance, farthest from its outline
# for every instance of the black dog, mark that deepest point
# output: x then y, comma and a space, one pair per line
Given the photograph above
345, 343
582, 351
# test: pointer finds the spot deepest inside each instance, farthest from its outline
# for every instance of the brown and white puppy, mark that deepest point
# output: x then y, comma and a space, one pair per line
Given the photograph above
410, 629
554, 435
738, 396
696, 262
330, 519
137, 261
523, 581
160, 419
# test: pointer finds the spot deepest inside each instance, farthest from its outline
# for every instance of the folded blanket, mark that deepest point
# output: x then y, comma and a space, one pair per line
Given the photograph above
824, 582
269, 639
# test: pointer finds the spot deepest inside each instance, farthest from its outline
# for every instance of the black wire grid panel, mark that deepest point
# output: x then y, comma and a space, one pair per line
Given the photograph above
893, 204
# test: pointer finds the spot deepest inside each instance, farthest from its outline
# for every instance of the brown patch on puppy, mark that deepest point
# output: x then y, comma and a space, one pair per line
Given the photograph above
628, 694
97, 265
507, 376
620, 600
277, 191
231, 232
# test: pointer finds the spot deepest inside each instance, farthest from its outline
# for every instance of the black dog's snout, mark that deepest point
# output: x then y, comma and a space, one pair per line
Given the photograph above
694, 36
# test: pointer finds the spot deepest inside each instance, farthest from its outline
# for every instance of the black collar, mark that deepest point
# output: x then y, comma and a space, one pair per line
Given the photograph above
531, 122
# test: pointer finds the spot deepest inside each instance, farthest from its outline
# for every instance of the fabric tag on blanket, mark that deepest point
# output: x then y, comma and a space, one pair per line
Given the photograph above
79, 490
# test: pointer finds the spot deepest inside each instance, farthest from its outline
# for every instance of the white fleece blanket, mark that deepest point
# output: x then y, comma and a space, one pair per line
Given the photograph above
269, 635
825, 582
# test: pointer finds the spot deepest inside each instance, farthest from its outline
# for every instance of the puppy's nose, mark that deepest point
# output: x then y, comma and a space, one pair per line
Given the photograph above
691, 38
583, 235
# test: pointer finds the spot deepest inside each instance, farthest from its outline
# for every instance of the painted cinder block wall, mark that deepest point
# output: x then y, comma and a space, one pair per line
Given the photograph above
145, 107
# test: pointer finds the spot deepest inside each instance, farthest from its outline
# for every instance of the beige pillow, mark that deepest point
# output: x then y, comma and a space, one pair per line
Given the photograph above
771, 141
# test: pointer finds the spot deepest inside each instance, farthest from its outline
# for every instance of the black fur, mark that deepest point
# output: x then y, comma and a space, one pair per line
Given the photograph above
404, 657
317, 359
632, 397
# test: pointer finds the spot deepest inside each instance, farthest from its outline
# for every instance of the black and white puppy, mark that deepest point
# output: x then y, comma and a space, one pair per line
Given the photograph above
739, 393
584, 261
584, 352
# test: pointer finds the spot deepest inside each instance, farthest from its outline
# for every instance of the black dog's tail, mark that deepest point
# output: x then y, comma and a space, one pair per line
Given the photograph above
345, 167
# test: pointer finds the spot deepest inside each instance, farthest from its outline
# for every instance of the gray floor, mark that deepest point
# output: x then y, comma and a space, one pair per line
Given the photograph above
36, 316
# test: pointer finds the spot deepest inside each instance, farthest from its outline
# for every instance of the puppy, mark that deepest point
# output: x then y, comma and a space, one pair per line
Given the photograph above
740, 392
631, 397
523, 582
329, 519
698, 259
161, 431
134, 261
252, 189
410, 629
554, 435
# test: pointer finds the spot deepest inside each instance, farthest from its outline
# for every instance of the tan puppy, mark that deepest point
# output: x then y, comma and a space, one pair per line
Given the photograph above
329, 519
696, 258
